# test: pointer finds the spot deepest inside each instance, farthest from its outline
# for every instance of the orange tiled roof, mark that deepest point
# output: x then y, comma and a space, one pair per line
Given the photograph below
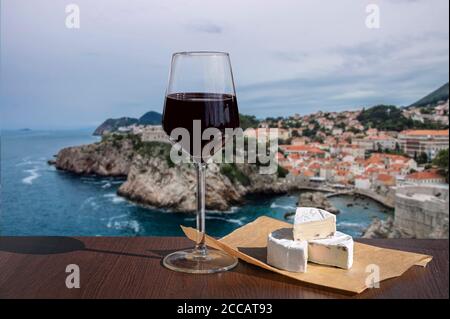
373, 160
341, 173
398, 166
378, 158
424, 175
373, 170
426, 132
385, 178
315, 166
308, 173
316, 151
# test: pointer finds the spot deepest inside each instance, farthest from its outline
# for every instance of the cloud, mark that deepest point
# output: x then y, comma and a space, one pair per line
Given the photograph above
357, 94
387, 70
347, 88
205, 27
288, 56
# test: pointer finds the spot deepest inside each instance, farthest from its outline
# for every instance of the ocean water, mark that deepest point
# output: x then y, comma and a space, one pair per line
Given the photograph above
37, 199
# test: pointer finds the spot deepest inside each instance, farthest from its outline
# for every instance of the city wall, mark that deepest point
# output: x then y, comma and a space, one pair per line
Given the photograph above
422, 210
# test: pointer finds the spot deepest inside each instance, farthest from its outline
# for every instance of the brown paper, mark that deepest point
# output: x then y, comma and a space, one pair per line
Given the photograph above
249, 243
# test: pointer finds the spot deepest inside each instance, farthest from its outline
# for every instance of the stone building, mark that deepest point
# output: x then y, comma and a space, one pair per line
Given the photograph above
422, 211
426, 177
151, 133
415, 142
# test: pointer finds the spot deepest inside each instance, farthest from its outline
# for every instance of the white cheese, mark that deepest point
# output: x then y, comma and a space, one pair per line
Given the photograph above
313, 223
285, 253
335, 251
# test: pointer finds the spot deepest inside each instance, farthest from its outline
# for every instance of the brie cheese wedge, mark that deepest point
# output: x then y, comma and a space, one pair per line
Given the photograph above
285, 253
335, 251
313, 223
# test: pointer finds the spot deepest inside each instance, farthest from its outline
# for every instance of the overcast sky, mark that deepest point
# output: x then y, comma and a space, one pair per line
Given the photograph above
288, 56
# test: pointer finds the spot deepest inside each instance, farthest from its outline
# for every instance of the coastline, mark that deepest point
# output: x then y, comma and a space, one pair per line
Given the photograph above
151, 180
59, 203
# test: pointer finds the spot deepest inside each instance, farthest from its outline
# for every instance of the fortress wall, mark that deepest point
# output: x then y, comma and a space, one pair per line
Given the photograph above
419, 212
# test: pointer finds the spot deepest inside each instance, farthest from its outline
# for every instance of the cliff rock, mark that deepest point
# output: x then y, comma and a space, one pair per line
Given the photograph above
318, 200
384, 229
106, 158
153, 180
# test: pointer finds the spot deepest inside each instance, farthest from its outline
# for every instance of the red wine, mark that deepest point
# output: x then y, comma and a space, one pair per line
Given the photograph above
213, 110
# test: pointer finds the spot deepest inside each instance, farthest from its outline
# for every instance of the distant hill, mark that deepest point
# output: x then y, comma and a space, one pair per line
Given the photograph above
150, 118
391, 118
111, 125
384, 117
434, 97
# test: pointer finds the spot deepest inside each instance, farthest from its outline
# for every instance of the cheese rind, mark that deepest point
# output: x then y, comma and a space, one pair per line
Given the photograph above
335, 251
285, 253
313, 223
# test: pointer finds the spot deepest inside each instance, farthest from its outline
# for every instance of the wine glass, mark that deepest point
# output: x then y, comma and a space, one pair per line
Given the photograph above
200, 95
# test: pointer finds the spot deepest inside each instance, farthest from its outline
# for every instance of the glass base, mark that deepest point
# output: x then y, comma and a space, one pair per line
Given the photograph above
190, 261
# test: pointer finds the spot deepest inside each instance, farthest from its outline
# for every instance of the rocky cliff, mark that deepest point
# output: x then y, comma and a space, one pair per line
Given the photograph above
384, 229
110, 157
318, 200
152, 178
421, 211
388, 229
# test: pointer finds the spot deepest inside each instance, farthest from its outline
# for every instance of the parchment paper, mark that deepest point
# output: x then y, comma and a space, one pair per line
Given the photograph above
249, 243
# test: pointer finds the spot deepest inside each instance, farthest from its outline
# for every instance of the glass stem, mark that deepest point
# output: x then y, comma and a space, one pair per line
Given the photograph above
200, 247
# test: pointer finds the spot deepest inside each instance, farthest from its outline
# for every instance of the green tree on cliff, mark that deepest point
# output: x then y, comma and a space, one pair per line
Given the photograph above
422, 158
441, 161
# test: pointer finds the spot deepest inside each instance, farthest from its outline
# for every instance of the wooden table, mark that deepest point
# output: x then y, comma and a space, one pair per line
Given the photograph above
117, 267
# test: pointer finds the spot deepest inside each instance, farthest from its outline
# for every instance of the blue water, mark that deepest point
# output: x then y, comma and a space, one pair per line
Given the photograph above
36, 199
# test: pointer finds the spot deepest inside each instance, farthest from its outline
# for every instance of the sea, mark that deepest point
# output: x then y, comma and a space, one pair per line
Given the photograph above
36, 199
